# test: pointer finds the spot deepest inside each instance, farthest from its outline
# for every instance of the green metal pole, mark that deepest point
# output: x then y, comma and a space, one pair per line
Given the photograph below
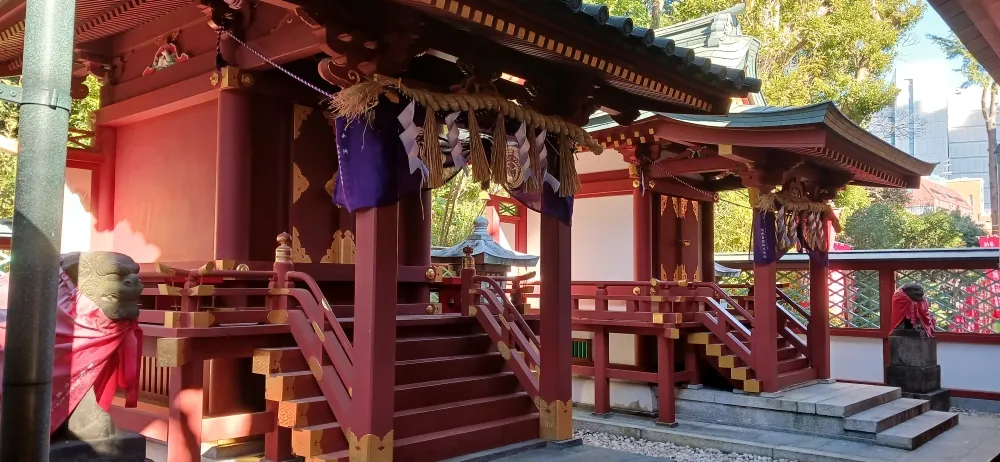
34, 270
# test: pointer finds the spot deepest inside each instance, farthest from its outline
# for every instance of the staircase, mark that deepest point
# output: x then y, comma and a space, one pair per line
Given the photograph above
727, 343
870, 414
454, 395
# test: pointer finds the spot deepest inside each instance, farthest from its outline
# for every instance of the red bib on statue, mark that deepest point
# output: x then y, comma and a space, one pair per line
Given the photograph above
903, 307
91, 350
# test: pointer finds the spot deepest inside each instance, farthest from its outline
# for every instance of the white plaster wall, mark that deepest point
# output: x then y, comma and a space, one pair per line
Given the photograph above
624, 395
967, 366
856, 358
609, 160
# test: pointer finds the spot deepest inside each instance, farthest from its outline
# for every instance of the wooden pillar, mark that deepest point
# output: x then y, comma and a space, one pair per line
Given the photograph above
232, 225
108, 142
278, 442
187, 406
819, 317
375, 301
414, 241
555, 379
602, 384
886, 288
708, 241
665, 377
642, 262
764, 338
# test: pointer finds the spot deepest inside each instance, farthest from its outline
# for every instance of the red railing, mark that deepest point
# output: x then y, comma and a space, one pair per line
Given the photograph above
961, 285
185, 300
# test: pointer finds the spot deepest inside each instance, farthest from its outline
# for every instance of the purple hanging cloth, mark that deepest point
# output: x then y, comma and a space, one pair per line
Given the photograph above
373, 169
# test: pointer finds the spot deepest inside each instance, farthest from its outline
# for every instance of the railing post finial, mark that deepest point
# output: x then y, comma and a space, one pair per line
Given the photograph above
283, 254
467, 261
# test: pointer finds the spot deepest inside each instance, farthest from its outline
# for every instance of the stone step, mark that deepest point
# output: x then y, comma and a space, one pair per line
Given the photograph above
915, 432
851, 403
888, 415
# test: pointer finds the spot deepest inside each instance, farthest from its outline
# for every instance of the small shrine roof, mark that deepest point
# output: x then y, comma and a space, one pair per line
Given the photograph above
819, 132
482, 244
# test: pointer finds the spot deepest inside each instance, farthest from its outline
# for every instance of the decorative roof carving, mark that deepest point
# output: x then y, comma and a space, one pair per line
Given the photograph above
719, 37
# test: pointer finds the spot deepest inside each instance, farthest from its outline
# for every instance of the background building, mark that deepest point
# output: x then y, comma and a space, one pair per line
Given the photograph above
937, 122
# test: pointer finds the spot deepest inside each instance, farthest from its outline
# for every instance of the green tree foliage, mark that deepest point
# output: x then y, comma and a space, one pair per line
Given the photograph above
733, 219
80, 118
884, 225
852, 199
975, 75
819, 50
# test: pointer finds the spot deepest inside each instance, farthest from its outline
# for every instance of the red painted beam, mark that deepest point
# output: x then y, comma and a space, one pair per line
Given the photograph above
286, 45
184, 94
696, 165
237, 425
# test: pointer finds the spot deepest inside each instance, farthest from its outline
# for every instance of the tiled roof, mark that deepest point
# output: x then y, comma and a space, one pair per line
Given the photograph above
662, 49
718, 37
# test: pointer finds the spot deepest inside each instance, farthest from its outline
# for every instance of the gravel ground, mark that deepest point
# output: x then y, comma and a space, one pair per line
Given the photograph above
667, 450
975, 413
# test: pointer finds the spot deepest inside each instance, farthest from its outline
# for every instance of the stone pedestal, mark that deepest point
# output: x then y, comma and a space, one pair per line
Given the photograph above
913, 367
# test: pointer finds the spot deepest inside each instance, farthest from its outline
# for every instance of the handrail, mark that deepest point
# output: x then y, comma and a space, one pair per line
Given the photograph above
489, 322
798, 308
719, 292
724, 317
520, 278
789, 334
510, 309
327, 311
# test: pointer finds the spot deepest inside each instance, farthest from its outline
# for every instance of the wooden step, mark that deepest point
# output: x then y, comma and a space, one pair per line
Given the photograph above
410, 348
318, 439
790, 365
448, 367
423, 394
448, 416
303, 412
442, 445
287, 386
275, 360
787, 352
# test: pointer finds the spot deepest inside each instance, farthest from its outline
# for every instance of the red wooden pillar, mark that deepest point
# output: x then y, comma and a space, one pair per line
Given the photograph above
375, 302
107, 138
708, 241
642, 260
232, 222
555, 378
415, 241
602, 361
665, 378
819, 318
277, 443
764, 338
886, 287
187, 406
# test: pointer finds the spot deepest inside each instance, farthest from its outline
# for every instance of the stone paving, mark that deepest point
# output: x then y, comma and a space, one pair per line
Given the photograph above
582, 453
975, 439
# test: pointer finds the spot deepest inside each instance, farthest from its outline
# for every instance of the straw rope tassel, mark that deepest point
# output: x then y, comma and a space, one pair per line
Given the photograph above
533, 184
569, 180
480, 166
431, 150
499, 153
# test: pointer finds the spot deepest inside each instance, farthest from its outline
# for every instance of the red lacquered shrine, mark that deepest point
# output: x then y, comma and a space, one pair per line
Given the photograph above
329, 347
752, 337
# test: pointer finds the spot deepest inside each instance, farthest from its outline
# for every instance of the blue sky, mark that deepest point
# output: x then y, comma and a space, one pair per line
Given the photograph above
921, 52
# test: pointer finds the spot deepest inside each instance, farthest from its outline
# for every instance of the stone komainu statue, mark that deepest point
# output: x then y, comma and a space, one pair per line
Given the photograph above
98, 341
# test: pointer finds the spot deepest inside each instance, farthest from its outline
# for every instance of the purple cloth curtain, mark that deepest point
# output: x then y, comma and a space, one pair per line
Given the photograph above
765, 238
374, 169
